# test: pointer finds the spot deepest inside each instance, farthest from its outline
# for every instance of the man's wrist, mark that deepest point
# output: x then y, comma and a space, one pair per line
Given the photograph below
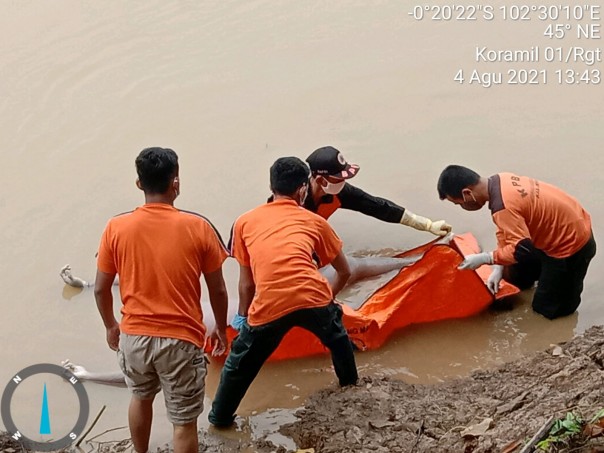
111, 324
497, 268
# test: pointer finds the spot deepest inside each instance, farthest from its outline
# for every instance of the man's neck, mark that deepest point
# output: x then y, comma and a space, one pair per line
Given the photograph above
159, 198
282, 197
483, 189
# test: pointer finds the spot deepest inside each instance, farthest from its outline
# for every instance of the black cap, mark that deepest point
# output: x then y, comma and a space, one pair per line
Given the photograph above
328, 161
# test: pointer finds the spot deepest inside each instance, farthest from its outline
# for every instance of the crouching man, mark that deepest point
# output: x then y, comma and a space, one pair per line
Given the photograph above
280, 247
543, 234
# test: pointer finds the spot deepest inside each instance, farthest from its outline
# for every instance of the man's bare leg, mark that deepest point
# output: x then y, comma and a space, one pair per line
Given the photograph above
185, 438
114, 378
140, 416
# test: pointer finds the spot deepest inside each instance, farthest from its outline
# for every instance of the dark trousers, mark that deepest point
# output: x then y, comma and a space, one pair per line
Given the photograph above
560, 280
254, 345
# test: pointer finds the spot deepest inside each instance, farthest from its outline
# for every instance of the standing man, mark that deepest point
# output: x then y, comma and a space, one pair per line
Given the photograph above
160, 253
279, 247
330, 191
543, 234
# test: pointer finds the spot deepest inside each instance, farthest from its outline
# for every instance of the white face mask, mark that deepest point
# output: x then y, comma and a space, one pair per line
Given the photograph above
333, 189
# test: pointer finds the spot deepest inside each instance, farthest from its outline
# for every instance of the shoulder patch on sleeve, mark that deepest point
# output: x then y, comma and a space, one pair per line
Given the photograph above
495, 198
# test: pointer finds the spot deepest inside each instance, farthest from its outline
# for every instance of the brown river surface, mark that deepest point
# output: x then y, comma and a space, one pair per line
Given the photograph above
231, 86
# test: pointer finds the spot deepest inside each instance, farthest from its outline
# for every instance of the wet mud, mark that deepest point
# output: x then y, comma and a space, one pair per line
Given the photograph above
490, 411
487, 412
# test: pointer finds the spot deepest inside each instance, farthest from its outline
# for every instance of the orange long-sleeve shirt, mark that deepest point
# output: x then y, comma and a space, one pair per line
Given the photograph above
525, 208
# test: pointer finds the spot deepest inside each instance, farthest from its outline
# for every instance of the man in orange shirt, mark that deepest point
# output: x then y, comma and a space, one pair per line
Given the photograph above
543, 234
160, 253
280, 247
330, 190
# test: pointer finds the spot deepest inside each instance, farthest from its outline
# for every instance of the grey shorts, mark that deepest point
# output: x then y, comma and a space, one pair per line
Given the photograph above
176, 367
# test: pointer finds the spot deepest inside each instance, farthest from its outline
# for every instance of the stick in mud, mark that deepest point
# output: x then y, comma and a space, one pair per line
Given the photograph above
96, 419
528, 448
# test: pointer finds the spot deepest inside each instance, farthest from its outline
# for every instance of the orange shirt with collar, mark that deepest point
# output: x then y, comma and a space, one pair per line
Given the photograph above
160, 253
284, 245
525, 208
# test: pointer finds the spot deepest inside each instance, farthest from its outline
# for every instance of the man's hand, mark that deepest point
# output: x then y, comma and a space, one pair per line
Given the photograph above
113, 336
218, 341
495, 278
439, 228
238, 321
476, 260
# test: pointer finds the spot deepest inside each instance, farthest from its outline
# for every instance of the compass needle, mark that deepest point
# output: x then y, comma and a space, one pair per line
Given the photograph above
45, 417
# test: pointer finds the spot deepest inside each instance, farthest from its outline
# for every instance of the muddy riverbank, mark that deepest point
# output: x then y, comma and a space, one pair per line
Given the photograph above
491, 411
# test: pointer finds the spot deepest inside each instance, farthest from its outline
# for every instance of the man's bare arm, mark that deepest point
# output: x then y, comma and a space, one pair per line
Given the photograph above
104, 303
247, 289
343, 272
219, 301
218, 297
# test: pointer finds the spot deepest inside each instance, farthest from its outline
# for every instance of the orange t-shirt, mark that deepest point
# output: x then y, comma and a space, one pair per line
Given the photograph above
525, 208
284, 245
160, 253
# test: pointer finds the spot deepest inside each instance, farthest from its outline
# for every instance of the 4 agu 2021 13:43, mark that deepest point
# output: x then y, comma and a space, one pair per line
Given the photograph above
513, 76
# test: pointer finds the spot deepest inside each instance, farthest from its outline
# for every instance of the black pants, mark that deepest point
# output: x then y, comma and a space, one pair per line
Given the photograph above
254, 345
560, 280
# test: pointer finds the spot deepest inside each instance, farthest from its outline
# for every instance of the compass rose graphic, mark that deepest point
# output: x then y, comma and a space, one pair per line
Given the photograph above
44, 413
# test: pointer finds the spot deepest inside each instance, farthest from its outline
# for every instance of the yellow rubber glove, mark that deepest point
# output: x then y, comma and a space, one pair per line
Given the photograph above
438, 227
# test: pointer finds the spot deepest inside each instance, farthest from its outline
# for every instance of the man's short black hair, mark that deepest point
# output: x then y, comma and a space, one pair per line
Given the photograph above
287, 175
454, 179
156, 168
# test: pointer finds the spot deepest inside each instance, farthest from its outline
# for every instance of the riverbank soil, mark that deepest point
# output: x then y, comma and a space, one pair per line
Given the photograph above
488, 412
8, 445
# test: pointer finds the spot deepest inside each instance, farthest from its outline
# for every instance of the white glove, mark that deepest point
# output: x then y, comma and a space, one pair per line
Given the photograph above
476, 260
495, 278
438, 228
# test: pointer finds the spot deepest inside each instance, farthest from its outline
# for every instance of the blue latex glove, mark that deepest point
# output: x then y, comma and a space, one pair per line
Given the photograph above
238, 321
